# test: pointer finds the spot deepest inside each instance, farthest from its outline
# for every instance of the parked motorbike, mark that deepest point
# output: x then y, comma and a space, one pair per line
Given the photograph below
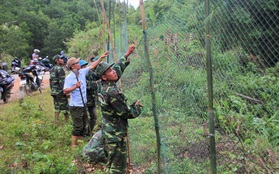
64, 57
16, 65
6, 85
30, 80
3, 65
39, 68
45, 62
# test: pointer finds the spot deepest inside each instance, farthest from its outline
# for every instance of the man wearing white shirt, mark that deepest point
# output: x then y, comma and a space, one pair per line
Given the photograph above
75, 84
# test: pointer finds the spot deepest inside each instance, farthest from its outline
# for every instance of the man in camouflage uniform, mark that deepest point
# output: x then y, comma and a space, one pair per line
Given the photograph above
91, 93
60, 100
115, 113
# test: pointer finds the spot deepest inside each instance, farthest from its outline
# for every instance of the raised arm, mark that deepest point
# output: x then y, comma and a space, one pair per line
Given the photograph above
121, 65
130, 51
96, 63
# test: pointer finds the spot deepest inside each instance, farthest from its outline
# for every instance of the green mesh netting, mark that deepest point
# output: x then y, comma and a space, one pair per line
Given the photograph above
244, 51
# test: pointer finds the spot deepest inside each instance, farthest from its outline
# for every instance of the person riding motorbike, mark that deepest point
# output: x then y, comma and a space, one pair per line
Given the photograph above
35, 55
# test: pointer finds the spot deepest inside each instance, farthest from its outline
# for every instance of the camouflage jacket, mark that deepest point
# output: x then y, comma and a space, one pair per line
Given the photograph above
56, 80
114, 108
91, 87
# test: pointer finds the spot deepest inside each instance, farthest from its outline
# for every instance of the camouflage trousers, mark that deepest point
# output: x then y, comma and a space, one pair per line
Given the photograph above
92, 120
60, 102
117, 157
92, 110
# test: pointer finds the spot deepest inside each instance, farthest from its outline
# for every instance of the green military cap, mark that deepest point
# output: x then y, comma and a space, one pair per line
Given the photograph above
56, 57
102, 68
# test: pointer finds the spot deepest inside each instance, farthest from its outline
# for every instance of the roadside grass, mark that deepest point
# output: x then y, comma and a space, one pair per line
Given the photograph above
30, 143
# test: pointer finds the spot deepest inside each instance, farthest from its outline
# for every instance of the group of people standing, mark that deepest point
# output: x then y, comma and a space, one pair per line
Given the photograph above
83, 83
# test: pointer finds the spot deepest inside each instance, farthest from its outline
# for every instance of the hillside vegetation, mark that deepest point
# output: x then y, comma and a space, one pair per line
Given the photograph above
245, 68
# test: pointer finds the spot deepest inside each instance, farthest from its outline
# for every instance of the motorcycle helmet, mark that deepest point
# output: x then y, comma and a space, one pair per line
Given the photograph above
36, 51
4, 66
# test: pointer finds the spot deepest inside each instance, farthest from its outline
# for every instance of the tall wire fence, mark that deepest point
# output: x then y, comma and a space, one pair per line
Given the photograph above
244, 51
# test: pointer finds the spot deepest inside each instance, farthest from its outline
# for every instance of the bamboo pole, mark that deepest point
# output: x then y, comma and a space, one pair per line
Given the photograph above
210, 91
103, 28
108, 43
111, 40
129, 166
154, 107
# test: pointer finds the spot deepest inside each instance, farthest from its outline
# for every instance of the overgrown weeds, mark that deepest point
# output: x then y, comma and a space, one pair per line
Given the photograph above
30, 143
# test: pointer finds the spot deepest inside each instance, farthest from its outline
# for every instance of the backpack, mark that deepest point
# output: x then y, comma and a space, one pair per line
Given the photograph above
94, 150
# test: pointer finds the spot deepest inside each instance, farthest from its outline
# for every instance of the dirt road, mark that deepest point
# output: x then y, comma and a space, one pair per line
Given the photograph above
15, 90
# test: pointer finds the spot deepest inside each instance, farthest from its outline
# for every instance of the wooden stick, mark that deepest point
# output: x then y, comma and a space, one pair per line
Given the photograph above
110, 38
250, 98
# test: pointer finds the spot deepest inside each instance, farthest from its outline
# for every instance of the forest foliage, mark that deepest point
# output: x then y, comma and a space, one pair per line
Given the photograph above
45, 25
48, 25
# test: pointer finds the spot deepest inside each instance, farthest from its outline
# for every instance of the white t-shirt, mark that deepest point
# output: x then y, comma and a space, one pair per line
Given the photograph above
71, 80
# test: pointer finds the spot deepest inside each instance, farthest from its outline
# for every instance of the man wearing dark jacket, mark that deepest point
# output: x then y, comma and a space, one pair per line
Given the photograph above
60, 100
91, 81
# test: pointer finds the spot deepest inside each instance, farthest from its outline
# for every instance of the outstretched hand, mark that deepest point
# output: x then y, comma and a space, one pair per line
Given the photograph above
138, 103
104, 55
95, 63
130, 50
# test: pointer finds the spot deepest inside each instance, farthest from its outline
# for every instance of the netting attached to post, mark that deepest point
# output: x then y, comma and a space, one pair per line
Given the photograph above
244, 49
